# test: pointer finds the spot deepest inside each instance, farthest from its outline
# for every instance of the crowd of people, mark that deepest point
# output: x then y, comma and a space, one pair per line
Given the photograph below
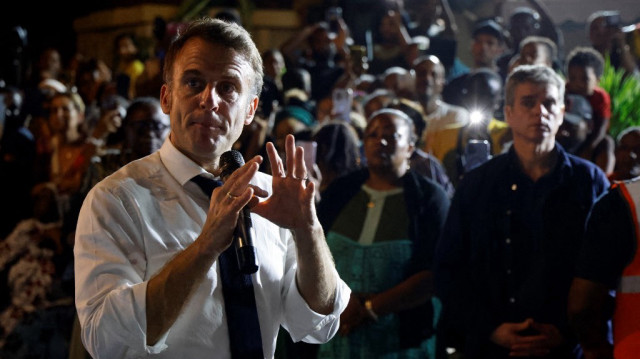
437, 210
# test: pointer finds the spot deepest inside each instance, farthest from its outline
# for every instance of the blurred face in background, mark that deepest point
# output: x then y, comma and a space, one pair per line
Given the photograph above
485, 50
601, 35
628, 154
50, 63
429, 78
535, 54
127, 50
65, 118
145, 130
581, 80
522, 25
387, 144
321, 45
274, 65
536, 114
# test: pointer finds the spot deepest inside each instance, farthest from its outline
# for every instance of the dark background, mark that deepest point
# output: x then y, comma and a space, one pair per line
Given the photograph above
50, 23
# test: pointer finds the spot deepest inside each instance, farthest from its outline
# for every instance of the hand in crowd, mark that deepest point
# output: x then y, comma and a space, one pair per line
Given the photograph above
110, 121
518, 339
354, 316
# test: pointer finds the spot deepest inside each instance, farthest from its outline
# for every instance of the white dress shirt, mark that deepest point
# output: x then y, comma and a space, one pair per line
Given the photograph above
138, 219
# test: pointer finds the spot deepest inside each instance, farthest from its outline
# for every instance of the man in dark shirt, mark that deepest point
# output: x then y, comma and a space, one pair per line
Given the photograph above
609, 261
505, 262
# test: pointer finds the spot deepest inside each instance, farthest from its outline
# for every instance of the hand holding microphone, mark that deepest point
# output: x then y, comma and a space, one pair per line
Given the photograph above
243, 233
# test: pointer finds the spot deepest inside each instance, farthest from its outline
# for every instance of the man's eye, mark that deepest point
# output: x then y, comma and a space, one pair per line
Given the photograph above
226, 88
194, 83
528, 103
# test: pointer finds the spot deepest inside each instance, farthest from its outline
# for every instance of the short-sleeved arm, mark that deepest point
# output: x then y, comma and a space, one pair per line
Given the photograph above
609, 242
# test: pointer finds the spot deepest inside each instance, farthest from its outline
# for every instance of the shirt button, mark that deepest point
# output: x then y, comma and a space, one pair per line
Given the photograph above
512, 300
514, 187
507, 241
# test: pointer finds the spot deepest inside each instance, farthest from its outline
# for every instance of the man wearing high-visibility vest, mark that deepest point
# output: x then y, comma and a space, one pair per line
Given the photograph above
609, 262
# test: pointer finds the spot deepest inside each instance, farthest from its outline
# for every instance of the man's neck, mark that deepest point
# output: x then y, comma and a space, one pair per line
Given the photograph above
536, 159
431, 104
211, 165
492, 66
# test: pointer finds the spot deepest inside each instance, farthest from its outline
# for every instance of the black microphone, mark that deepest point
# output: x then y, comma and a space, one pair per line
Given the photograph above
243, 234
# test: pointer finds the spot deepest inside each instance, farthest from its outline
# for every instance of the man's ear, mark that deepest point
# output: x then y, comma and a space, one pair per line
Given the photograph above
251, 111
410, 150
507, 114
165, 99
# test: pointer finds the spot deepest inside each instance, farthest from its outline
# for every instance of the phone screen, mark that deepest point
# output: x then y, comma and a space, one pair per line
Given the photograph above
331, 16
342, 101
476, 153
3, 111
310, 150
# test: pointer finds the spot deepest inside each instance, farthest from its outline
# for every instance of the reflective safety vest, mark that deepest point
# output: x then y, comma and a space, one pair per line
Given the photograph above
626, 319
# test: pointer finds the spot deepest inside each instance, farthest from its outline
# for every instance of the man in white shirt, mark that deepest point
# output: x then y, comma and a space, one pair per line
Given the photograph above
148, 239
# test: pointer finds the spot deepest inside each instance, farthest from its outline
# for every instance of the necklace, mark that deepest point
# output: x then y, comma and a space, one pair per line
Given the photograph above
376, 197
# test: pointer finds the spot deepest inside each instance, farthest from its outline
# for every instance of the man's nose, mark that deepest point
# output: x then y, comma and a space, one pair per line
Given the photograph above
541, 109
210, 100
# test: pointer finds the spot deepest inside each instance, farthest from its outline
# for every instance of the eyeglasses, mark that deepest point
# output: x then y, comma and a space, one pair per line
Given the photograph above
142, 127
387, 138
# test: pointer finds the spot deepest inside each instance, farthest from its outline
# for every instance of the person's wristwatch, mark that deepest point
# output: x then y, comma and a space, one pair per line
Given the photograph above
369, 307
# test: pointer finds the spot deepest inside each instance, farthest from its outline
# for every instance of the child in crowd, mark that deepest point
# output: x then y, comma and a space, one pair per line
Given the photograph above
584, 70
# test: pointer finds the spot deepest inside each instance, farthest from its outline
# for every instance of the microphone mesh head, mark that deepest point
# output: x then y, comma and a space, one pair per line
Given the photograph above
229, 162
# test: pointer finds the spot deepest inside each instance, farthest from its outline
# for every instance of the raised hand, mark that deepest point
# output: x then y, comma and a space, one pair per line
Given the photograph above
291, 204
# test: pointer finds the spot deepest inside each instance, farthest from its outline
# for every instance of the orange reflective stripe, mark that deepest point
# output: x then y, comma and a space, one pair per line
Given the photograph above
626, 319
634, 267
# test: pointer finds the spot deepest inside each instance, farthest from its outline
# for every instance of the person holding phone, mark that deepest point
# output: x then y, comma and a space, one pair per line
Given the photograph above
316, 49
607, 37
506, 258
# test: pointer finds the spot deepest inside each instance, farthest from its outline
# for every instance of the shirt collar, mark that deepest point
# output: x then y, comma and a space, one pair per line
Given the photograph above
563, 166
181, 167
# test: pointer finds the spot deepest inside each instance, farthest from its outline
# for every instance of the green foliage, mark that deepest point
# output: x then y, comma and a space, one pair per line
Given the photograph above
625, 98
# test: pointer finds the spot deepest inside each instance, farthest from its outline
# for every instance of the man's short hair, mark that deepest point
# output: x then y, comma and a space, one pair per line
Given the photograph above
627, 131
423, 58
377, 93
586, 57
536, 74
413, 110
545, 41
297, 78
75, 99
523, 11
489, 27
219, 32
596, 15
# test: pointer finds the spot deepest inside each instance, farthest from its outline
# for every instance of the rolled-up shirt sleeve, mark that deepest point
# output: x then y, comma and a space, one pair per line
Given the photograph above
109, 276
130, 227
